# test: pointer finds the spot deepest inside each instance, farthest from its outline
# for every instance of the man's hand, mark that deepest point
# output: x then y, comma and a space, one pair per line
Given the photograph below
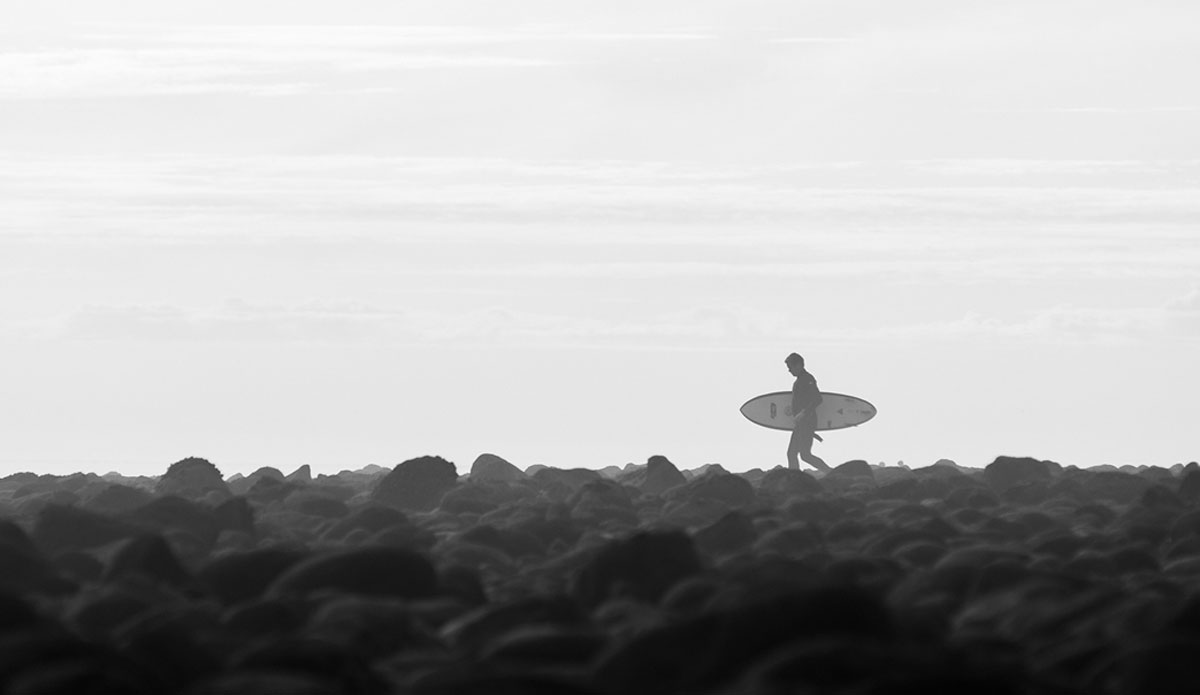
799, 416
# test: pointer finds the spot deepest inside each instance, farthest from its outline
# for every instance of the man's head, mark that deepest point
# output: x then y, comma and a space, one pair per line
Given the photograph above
795, 363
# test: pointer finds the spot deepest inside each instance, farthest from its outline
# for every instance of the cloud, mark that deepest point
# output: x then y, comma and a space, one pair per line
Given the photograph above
1183, 313
234, 321
725, 325
271, 61
262, 61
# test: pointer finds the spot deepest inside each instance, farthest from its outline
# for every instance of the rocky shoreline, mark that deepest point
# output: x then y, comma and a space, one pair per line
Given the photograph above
1021, 577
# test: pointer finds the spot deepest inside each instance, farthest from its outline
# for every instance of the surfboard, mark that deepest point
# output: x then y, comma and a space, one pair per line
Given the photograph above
836, 411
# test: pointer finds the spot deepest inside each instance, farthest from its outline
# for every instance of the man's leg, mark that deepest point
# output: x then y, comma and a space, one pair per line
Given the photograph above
805, 451
794, 447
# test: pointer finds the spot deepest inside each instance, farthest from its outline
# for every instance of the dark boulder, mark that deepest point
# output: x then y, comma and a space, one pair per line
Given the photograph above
239, 577
369, 571
235, 514
785, 482
852, 470
1189, 486
643, 566
370, 519
560, 482
179, 515
1008, 471
148, 557
59, 528
417, 484
732, 533
116, 499
476, 497
192, 478
301, 475
316, 504
724, 488
492, 468
602, 500
655, 478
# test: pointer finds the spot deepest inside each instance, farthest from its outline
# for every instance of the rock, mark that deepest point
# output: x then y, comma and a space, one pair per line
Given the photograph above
25, 571
611, 472
266, 489
370, 571
643, 566
785, 482
1189, 486
371, 519
60, 528
180, 515
706, 469
235, 514
852, 469
417, 484
303, 474
1118, 487
533, 470
243, 484
192, 478
239, 577
316, 504
563, 482
655, 478
732, 533
515, 544
473, 631
474, 497
335, 667
492, 468
754, 475
725, 488
149, 557
1007, 471
117, 499
601, 500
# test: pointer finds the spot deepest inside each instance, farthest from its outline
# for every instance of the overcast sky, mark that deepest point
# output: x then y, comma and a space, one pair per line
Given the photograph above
583, 233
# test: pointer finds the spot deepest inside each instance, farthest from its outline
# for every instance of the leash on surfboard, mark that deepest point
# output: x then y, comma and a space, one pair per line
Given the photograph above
818, 437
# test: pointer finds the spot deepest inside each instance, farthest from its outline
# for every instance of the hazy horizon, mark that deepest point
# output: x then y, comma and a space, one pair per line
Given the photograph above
277, 234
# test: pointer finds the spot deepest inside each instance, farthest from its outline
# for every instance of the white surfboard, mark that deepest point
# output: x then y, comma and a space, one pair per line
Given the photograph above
836, 411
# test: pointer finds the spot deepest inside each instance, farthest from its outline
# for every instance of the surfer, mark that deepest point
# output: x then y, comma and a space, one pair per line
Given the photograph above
805, 399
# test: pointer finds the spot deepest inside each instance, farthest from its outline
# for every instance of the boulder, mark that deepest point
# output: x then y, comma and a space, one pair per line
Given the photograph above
371, 571
602, 500
59, 528
1008, 471
724, 488
239, 577
563, 482
1189, 486
303, 474
856, 468
417, 484
786, 482
117, 499
655, 478
192, 478
732, 533
643, 566
474, 497
149, 557
492, 468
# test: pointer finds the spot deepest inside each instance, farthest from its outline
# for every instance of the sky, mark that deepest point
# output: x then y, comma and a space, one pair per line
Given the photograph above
580, 234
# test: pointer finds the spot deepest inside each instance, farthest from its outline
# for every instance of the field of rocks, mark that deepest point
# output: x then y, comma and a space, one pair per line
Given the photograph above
1021, 577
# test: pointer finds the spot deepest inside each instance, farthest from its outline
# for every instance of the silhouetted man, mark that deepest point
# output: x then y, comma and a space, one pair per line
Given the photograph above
805, 399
